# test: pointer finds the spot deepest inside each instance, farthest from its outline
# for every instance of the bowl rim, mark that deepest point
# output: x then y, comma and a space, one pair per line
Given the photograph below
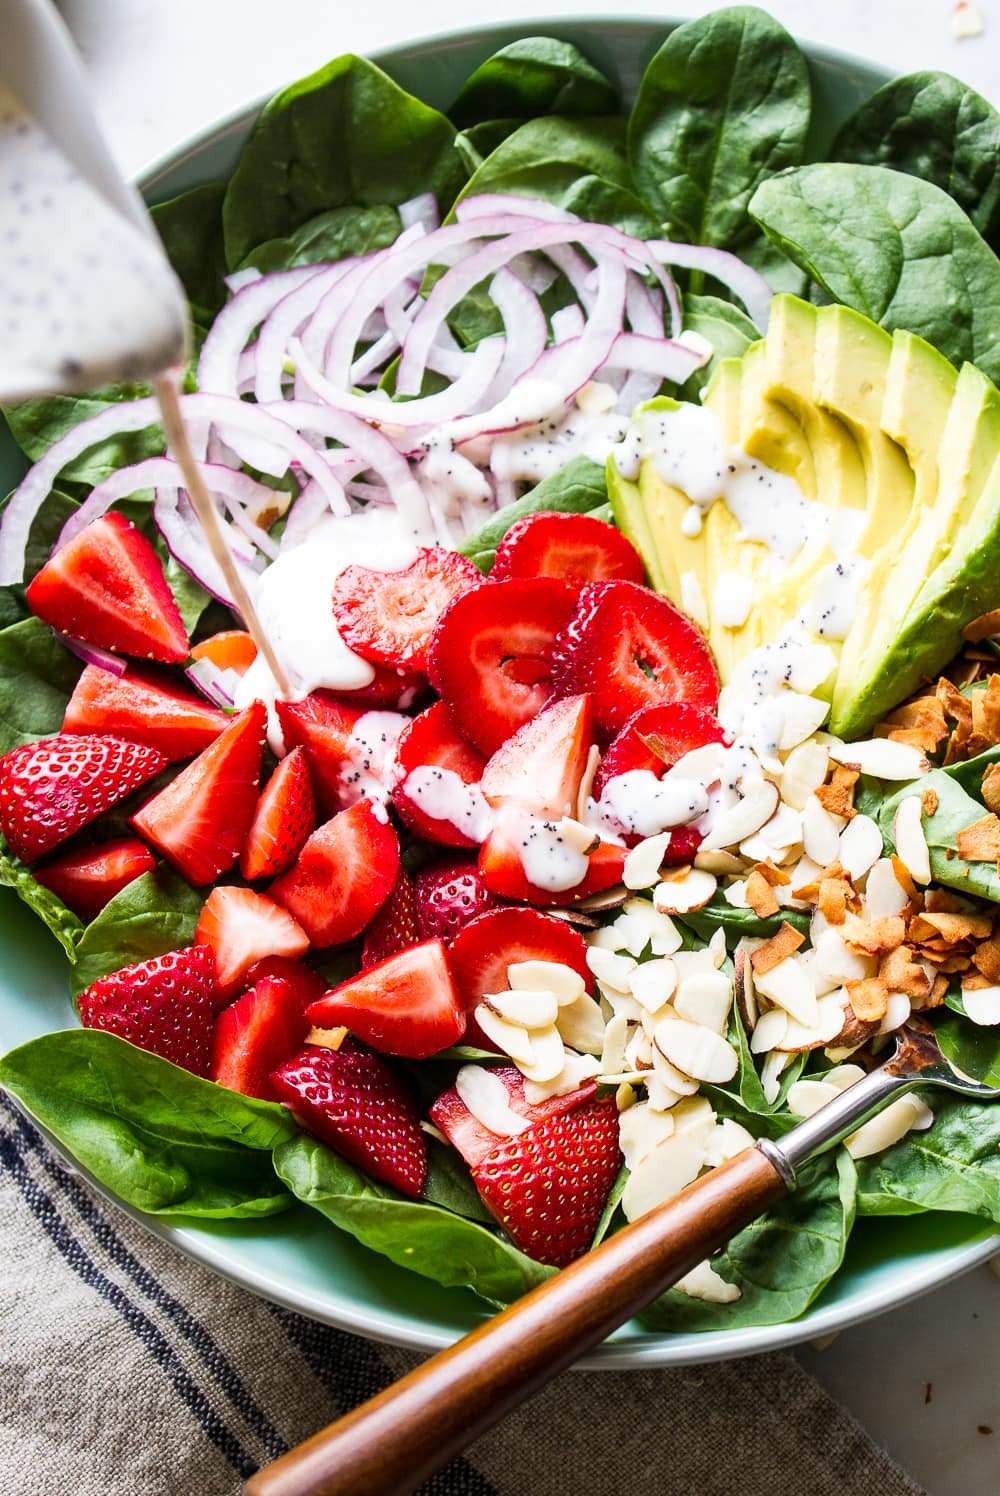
387, 1326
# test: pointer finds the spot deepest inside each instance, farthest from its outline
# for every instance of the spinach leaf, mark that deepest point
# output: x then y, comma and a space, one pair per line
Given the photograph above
722, 106
611, 1205
152, 915
578, 488
969, 773
37, 676
191, 229
718, 914
51, 911
449, 1184
729, 330
971, 1047
954, 1165
533, 76
955, 810
479, 141
346, 136
415, 1235
189, 595
37, 424
162, 1139
780, 1262
328, 237
893, 247
931, 126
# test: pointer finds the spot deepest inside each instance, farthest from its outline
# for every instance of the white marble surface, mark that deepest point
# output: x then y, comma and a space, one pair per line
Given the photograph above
163, 71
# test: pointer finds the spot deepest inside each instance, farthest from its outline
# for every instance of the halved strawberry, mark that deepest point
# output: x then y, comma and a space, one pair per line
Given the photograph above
395, 927
472, 1139
145, 706
106, 586
233, 649
344, 873
388, 690
256, 1034
491, 655
514, 838
389, 616
284, 820
50, 789
87, 880
407, 1005
164, 1005
243, 927
481, 953
449, 893
358, 1106
542, 766
200, 821
574, 547
631, 648
323, 726
307, 984
548, 1186
442, 763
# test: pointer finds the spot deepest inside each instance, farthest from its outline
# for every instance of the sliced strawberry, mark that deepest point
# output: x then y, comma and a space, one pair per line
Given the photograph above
358, 1106
145, 706
408, 1005
481, 953
200, 821
655, 738
548, 1186
474, 1140
395, 927
284, 820
631, 648
243, 927
388, 690
87, 880
491, 655
542, 766
349, 750
389, 616
256, 1034
516, 836
52, 788
306, 983
442, 764
233, 649
343, 875
106, 586
164, 1005
450, 893
576, 548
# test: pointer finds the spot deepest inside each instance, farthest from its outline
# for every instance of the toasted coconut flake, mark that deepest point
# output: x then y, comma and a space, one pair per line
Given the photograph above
780, 946
955, 705
986, 958
833, 900
929, 802
980, 842
331, 1038
759, 895
986, 626
902, 875
878, 938
776, 876
952, 928
869, 998
986, 711
900, 971
990, 791
837, 797
920, 722
911, 843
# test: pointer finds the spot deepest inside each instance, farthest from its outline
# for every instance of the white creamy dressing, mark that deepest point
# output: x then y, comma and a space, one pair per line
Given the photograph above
371, 749
640, 803
750, 705
549, 860
444, 796
536, 452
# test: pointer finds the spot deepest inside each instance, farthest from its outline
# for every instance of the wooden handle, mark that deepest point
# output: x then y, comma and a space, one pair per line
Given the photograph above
393, 1442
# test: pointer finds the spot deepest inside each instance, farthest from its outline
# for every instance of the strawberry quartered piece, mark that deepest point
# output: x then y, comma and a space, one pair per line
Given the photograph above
576, 548
491, 655
106, 586
531, 860
649, 744
87, 880
631, 648
200, 821
396, 926
388, 690
407, 1005
436, 781
256, 1034
52, 788
473, 1139
542, 767
356, 1104
482, 952
388, 616
164, 1005
307, 984
449, 894
233, 649
349, 749
243, 927
284, 820
145, 706
343, 875
547, 1186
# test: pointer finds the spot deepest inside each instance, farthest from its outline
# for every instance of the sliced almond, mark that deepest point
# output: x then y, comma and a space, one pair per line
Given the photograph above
896, 1014
820, 833
911, 843
837, 961
720, 862
488, 1099
610, 969
769, 1031
653, 983
832, 1016
616, 1036
806, 1097
706, 998
983, 1005
685, 894
565, 984
660, 1096
576, 1070
884, 895
746, 997
639, 1050
860, 846
757, 803
704, 764
703, 1282
642, 865
727, 1139
801, 716
881, 758
804, 771
663, 1173
669, 1076
548, 1056
771, 1072
641, 1131
789, 985
578, 836
696, 1050
510, 1038
644, 923
884, 1130
581, 1025
529, 1010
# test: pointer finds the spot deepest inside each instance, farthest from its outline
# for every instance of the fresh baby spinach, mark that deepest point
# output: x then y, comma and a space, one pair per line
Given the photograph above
191, 229
152, 915
37, 676
53, 913
533, 76
334, 235
578, 488
954, 1165
955, 811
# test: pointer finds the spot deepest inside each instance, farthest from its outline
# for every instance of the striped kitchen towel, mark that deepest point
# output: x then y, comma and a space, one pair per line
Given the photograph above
127, 1370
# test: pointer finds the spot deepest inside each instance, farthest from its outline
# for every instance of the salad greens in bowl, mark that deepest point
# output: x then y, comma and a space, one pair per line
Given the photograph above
602, 420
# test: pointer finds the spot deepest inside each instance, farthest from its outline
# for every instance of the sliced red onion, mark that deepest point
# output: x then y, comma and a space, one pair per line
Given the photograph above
567, 322
422, 210
185, 539
525, 330
369, 493
487, 204
240, 278
287, 317
90, 654
218, 362
309, 508
217, 686
636, 390
740, 278
645, 355
155, 472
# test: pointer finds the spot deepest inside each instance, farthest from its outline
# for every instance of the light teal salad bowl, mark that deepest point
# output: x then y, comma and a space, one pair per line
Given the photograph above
297, 1259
